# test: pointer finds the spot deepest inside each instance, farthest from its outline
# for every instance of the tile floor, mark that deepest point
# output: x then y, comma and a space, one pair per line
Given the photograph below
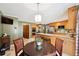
11, 52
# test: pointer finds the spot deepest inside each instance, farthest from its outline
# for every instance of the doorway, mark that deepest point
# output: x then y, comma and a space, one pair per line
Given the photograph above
26, 31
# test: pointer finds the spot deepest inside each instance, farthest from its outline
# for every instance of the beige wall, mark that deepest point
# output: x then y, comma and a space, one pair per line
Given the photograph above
15, 33
10, 29
20, 29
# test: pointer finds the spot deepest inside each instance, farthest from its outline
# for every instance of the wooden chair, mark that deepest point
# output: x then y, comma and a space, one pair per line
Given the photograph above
18, 44
6, 42
48, 40
59, 46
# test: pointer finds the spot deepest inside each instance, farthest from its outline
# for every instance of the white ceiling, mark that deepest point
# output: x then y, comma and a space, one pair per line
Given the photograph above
50, 12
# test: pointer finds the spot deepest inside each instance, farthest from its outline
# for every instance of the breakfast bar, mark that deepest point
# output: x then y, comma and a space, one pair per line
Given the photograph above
68, 41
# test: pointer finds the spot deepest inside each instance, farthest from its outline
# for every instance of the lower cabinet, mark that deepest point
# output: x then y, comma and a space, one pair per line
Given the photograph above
69, 47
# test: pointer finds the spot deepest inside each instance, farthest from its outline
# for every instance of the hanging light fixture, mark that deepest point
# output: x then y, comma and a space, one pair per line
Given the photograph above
38, 16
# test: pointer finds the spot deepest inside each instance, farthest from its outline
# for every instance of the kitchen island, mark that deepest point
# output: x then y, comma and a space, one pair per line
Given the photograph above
69, 42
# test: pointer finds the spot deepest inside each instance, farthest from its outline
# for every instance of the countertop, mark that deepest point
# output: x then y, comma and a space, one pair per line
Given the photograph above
58, 35
52, 34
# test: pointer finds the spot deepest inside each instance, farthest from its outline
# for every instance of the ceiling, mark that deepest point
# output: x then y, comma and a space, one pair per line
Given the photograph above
50, 12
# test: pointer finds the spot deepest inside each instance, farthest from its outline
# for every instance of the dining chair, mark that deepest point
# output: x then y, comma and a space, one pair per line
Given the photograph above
48, 40
19, 44
59, 46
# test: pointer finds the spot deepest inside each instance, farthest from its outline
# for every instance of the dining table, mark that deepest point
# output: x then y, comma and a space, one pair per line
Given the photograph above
47, 49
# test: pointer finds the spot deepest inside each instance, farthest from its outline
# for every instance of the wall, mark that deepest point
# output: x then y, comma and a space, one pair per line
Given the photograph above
10, 29
30, 30
15, 30
20, 29
0, 24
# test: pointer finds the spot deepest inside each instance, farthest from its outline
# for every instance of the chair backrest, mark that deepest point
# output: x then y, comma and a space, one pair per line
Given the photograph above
5, 39
5, 42
59, 45
48, 40
18, 44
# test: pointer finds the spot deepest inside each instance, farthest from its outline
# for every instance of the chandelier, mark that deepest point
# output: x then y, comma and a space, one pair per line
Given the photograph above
38, 16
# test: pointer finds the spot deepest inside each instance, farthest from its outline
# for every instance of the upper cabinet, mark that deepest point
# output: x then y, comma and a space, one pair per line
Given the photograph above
60, 23
72, 16
69, 23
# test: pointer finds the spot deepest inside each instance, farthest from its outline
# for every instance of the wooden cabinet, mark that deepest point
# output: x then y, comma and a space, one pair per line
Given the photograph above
72, 15
60, 23
69, 46
34, 29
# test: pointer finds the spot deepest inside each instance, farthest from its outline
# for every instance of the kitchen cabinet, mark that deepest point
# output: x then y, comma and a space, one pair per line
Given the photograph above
72, 15
59, 23
69, 46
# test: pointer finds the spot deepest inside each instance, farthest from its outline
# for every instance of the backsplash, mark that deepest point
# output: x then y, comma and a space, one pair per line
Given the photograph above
62, 31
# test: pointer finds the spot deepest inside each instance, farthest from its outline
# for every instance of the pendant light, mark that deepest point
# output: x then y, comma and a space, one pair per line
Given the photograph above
38, 16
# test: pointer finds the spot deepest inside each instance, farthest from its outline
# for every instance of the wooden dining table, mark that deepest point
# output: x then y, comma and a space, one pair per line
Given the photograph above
47, 49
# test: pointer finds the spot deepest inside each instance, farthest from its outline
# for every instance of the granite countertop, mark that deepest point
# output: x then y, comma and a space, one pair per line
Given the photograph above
58, 35
51, 34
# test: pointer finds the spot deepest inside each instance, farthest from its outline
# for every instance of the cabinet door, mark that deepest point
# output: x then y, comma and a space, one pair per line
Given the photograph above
69, 47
